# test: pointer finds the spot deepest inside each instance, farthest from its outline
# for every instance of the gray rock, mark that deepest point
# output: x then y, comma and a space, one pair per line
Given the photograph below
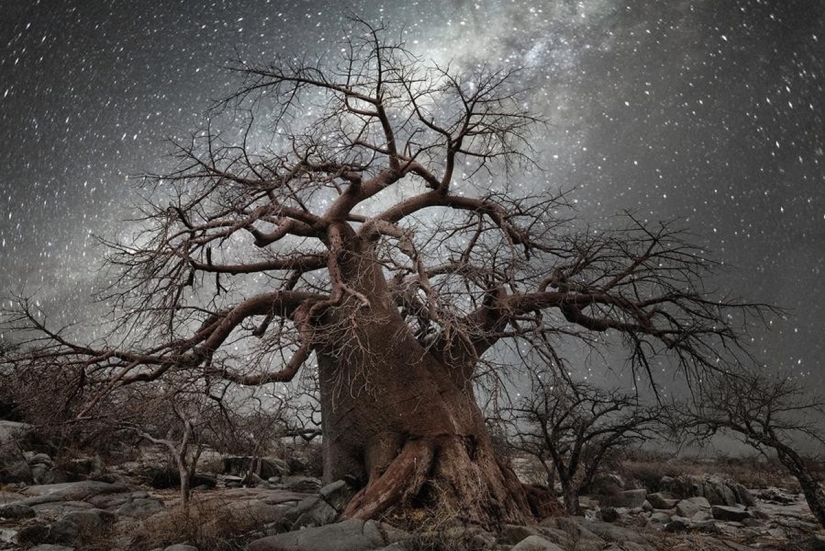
61, 532
536, 543
181, 547
718, 491
13, 464
627, 546
91, 521
726, 513
231, 481
312, 511
659, 518
50, 547
611, 532
72, 491
59, 508
708, 527
338, 494
16, 511
662, 500
513, 533
576, 530
627, 498
678, 525
350, 535
692, 506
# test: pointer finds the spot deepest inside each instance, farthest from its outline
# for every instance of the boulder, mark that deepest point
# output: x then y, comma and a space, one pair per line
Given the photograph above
312, 511
626, 498
730, 514
338, 494
13, 464
662, 500
349, 535
16, 511
678, 524
535, 543
60, 532
692, 506
659, 519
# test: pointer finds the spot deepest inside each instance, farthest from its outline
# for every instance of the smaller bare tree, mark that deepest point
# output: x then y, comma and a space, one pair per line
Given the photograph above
770, 412
178, 421
572, 426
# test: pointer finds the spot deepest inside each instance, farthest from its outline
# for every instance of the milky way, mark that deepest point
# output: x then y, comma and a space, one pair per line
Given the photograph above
710, 113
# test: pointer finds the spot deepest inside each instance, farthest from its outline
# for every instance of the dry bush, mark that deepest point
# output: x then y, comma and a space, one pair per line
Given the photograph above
209, 525
648, 468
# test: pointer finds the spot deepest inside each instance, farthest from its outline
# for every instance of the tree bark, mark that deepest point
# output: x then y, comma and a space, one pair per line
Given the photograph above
402, 421
811, 487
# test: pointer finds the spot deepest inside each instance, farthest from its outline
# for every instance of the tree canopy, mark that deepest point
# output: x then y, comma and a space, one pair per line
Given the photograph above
369, 217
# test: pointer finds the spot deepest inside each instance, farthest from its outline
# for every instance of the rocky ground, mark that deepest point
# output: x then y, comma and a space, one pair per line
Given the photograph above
114, 509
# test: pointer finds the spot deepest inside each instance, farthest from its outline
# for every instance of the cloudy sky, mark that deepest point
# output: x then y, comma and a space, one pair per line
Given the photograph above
707, 112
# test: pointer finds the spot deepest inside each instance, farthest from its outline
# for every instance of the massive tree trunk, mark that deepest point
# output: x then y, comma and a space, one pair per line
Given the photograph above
401, 420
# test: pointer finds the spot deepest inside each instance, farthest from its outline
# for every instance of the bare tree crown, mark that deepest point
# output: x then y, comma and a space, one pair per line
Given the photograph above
379, 162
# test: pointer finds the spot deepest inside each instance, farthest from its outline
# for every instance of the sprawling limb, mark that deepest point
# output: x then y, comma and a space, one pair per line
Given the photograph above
364, 219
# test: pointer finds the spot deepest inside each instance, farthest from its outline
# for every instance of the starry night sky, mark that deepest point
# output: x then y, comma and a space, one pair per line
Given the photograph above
708, 112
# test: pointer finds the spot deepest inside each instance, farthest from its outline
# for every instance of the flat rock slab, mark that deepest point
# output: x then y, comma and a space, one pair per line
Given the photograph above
349, 535
71, 491
268, 496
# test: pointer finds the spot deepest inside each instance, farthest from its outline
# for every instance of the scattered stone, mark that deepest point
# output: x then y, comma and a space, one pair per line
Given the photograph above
609, 514
181, 547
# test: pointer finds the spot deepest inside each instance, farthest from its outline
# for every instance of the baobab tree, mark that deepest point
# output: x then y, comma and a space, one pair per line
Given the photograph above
362, 219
